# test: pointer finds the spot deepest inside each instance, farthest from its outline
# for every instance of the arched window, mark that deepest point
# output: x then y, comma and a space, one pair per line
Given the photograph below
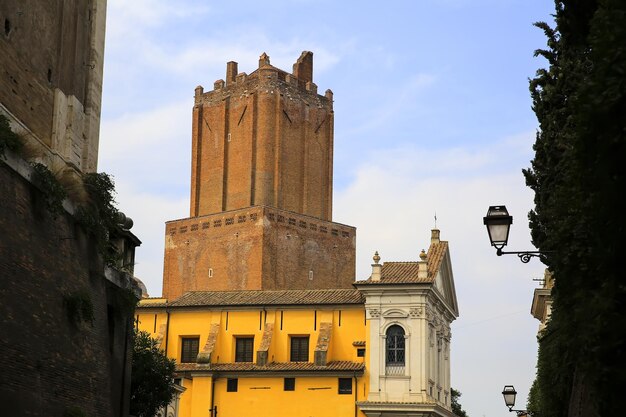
395, 346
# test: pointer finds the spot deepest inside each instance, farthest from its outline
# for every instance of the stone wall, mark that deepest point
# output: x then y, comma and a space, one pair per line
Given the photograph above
51, 75
51, 359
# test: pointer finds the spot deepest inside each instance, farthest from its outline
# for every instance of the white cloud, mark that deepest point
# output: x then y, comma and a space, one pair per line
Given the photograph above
147, 131
393, 102
126, 16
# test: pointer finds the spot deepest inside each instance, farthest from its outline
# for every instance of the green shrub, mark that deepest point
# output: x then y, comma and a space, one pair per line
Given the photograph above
8, 139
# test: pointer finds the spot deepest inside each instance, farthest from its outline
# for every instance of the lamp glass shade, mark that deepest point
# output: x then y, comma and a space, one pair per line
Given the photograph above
498, 223
509, 394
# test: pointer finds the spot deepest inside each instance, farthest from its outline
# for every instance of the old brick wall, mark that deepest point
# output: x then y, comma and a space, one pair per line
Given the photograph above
218, 252
257, 248
49, 362
262, 139
302, 252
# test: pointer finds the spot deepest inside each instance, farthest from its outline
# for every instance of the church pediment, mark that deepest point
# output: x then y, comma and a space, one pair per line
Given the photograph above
395, 313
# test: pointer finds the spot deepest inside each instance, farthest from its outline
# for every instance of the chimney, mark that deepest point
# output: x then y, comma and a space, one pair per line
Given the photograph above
376, 268
434, 236
231, 72
422, 266
303, 68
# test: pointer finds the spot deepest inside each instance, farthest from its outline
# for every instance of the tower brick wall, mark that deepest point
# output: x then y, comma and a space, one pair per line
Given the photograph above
257, 248
261, 189
263, 139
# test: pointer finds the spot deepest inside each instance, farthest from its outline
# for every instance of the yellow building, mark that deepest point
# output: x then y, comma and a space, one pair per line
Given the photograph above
263, 314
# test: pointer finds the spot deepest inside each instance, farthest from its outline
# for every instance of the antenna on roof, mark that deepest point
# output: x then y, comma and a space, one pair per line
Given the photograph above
435, 219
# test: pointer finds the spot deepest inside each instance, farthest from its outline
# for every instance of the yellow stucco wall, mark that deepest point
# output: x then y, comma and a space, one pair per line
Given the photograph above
259, 394
265, 397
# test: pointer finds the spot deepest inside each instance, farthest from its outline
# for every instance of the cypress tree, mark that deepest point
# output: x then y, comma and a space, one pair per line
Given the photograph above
578, 175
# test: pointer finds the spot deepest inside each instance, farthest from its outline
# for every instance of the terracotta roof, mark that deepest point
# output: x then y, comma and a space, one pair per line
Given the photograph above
264, 298
343, 366
407, 272
436, 252
397, 402
153, 302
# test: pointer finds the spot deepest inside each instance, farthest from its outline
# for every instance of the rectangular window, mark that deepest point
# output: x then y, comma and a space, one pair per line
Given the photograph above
345, 385
189, 350
299, 349
231, 385
360, 353
290, 384
244, 348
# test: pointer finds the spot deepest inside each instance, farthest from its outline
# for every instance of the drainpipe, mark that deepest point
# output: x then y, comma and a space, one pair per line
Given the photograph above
213, 409
167, 328
356, 387
124, 368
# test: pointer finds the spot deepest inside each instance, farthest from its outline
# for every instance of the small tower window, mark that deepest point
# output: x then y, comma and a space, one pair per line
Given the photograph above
395, 346
210, 272
189, 349
244, 349
290, 384
231, 385
7, 27
345, 385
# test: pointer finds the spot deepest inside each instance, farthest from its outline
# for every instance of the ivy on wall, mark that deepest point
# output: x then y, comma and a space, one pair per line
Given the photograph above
8, 139
79, 307
51, 187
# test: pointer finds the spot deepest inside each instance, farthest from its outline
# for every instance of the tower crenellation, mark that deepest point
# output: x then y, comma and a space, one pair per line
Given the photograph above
267, 76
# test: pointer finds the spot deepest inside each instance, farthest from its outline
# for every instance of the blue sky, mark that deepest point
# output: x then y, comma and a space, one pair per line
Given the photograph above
432, 114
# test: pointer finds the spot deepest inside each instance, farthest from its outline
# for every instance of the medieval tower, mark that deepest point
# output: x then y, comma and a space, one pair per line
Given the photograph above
260, 305
261, 189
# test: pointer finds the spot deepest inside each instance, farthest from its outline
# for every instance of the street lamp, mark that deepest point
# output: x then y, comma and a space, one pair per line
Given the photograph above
498, 222
509, 394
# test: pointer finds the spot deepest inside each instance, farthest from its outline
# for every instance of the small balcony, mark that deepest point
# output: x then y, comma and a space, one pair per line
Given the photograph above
394, 370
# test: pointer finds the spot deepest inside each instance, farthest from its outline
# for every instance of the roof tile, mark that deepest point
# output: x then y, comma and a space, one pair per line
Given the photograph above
265, 298
272, 367
407, 272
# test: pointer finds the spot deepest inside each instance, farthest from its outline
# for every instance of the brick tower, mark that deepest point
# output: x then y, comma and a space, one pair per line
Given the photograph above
261, 188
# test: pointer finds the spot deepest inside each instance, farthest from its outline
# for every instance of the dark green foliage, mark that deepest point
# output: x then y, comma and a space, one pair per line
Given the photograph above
79, 308
8, 139
51, 188
533, 399
454, 401
578, 175
152, 378
127, 301
100, 215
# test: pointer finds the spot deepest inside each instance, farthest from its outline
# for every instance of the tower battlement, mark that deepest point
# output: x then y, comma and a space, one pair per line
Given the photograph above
267, 79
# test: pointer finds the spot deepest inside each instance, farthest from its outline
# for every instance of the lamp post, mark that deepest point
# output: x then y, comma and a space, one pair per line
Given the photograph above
509, 394
498, 222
